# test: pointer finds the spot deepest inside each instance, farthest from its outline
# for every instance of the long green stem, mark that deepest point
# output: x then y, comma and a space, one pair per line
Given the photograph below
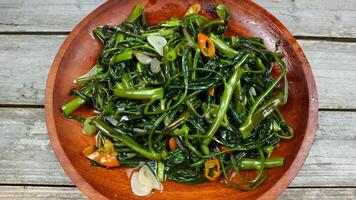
223, 47
224, 103
126, 55
253, 164
140, 94
122, 137
260, 115
248, 125
136, 13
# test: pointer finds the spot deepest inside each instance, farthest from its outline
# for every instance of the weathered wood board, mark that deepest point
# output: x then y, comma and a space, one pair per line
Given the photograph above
25, 65
73, 193
27, 156
325, 18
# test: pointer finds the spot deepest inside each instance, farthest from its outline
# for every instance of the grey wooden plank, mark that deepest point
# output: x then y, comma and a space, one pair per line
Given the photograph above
26, 153
326, 18
49, 15
25, 62
27, 157
25, 65
72, 193
319, 193
40, 193
334, 71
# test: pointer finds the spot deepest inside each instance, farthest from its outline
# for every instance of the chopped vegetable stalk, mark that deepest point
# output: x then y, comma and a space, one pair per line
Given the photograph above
136, 13
88, 128
253, 164
71, 106
160, 172
222, 11
126, 55
139, 94
193, 9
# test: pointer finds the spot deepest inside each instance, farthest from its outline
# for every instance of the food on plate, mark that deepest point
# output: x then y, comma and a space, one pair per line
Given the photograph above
183, 101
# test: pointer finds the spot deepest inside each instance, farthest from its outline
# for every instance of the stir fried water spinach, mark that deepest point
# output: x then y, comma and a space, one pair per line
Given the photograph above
185, 99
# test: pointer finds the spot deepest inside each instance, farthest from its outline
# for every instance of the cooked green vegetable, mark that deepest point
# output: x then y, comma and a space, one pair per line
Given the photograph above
184, 98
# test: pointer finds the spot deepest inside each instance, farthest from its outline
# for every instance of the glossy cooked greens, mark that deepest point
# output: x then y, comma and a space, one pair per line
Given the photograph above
185, 99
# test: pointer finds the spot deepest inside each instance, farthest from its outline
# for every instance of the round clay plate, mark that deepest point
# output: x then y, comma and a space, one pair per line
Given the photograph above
79, 53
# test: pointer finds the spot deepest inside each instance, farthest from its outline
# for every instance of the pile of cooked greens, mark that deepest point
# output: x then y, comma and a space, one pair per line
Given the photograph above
184, 99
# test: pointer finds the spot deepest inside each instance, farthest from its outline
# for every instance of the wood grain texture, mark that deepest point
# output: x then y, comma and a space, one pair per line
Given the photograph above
319, 193
49, 15
334, 71
25, 62
27, 157
327, 18
25, 65
40, 193
72, 193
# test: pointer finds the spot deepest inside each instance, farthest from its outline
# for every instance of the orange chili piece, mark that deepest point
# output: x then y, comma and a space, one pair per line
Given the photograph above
212, 91
212, 169
105, 156
203, 41
225, 149
172, 143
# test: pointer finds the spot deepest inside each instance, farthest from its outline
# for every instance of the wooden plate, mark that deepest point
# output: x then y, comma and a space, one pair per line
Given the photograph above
79, 53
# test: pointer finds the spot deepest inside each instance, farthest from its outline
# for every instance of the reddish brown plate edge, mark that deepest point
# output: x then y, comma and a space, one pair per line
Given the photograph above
272, 193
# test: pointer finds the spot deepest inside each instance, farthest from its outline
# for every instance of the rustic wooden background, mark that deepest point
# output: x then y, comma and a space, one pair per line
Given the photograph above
31, 32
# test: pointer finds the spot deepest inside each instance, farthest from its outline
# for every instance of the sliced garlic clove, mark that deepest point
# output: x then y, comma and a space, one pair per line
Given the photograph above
157, 185
155, 66
158, 42
146, 176
137, 188
142, 58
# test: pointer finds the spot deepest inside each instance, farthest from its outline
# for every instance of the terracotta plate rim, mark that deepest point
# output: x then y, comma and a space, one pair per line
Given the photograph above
92, 193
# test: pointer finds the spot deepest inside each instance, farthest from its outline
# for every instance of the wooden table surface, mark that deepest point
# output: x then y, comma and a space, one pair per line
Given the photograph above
31, 32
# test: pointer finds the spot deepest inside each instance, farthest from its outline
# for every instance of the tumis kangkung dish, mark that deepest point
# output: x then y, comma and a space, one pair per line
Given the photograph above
182, 101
